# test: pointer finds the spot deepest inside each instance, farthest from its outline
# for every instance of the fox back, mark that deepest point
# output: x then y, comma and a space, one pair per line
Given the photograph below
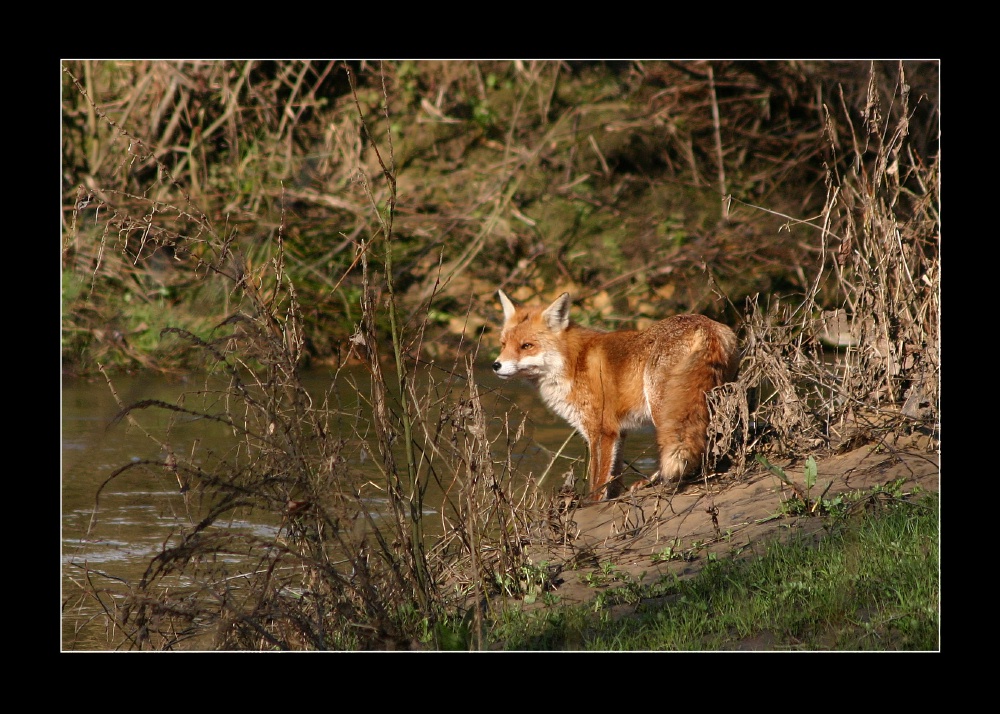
605, 383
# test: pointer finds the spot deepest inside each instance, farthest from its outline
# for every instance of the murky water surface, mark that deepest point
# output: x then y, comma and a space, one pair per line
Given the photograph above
116, 534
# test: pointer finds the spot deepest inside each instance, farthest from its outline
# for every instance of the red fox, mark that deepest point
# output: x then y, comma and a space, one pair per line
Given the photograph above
605, 383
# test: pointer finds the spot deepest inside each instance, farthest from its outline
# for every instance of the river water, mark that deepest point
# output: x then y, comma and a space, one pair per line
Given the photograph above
114, 536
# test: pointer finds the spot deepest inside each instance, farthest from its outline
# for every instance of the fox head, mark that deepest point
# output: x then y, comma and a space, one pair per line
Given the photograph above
531, 338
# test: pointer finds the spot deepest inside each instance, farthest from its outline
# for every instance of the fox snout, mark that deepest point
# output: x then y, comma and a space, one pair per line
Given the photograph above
505, 373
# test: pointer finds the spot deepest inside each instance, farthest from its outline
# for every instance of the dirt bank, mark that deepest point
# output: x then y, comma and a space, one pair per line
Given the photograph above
725, 518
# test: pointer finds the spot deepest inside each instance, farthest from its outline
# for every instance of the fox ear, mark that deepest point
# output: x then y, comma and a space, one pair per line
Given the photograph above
508, 305
556, 315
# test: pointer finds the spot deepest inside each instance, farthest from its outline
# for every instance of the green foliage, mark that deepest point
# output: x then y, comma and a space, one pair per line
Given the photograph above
608, 574
528, 582
673, 231
802, 502
674, 552
870, 586
484, 114
668, 553
453, 636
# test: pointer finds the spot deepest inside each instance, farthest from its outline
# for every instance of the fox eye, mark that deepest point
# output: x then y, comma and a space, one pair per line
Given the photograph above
527, 346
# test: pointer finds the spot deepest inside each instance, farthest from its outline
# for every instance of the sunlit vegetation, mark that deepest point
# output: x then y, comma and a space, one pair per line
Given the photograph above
249, 219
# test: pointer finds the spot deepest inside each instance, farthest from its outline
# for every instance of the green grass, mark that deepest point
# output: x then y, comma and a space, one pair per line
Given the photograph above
870, 583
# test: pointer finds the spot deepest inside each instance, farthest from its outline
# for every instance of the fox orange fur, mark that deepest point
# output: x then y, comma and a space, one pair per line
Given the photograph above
605, 383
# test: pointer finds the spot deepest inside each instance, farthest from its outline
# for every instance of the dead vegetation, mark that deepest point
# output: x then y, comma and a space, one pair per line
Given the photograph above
332, 220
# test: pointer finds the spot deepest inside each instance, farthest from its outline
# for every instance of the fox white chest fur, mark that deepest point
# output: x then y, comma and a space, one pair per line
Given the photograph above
605, 383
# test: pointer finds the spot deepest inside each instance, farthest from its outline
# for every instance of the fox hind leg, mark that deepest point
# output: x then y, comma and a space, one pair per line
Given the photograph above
681, 422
